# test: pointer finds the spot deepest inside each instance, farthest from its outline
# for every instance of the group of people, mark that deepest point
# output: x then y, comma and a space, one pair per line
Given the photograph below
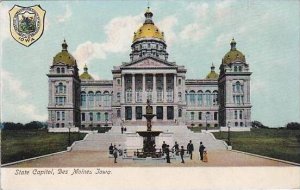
113, 150
123, 129
189, 149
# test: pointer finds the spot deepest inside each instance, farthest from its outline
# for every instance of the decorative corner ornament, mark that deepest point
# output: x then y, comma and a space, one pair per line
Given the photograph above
27, 23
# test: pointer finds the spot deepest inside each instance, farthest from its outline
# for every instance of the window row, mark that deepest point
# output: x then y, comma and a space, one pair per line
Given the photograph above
238, 99
60, 100
238, 114
159, 113
204, 116
92, 116
60, 116
202, 99
97, 99
60, 88
60, 70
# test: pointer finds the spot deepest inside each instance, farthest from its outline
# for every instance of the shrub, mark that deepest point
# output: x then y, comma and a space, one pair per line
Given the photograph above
293, 126
257, 124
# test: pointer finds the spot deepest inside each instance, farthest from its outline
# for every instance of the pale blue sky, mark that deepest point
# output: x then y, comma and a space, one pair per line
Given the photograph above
198, 33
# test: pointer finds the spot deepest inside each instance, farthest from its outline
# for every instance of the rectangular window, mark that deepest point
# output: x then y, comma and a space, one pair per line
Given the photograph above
216, 116
241, 114
159, 96
159, 112
118, 113
200, 116
192, 116
128, 113
98, 116
170, 112
235, 115
82, 116
91, 116
58, 116
62, 115
139, 112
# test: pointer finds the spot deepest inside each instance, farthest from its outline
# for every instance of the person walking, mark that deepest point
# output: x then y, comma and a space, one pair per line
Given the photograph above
163, 147
111, 149
116, 152
176, 148
201, 150
122, 129
181, 154
167, 150
191, 149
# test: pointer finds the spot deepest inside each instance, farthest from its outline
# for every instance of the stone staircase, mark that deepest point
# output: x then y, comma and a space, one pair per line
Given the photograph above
181, 134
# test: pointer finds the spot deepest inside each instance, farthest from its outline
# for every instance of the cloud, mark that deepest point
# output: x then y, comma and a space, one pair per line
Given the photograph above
30, 111
4, 19
167, 26
199, 9
194, 32
66, 15
119, 32
223, 9
12, 86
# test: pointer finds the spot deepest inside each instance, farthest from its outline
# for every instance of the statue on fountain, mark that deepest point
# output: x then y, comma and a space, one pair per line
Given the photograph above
149, 112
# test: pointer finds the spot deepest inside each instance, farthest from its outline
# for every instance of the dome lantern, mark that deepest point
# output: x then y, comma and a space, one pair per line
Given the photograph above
212, 75
233, 44
85, 75
64, 46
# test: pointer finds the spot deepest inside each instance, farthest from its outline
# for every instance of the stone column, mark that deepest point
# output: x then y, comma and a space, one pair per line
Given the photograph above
133, 88
133, 113
123, 89
165, 88
154, 94
175, 93
165, 113
144, 96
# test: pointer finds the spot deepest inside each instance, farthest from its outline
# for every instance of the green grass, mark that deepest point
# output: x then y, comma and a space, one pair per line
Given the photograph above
22, 144
276, 143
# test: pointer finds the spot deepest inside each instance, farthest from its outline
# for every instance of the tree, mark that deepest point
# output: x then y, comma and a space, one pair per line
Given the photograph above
34, 125
293, 126
257, 124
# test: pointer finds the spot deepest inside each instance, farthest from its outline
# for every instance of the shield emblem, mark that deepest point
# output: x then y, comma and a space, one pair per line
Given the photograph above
27, 23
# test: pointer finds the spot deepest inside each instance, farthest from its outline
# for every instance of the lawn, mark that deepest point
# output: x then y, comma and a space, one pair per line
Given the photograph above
22, 144
276, 143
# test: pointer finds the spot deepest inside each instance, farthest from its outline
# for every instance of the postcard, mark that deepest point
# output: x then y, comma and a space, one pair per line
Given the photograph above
150, 94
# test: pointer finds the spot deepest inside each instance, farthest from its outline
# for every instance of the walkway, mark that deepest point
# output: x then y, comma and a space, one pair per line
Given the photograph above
217, 158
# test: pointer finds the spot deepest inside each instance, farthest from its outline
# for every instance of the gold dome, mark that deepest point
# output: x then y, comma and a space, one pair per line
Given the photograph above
233, 55
64, 56
85, 75
212, 75
148, 29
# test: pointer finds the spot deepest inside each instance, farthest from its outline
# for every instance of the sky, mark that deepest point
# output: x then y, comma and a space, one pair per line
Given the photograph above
198, 33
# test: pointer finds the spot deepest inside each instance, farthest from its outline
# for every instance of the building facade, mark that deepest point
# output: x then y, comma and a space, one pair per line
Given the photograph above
214, 101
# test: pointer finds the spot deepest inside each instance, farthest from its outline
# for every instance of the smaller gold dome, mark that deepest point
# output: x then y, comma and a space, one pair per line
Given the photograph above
233, 55
64, 56
148, 29
85, 75
212, 75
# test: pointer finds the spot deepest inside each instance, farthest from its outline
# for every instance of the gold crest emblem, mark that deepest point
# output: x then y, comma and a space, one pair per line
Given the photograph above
27, 24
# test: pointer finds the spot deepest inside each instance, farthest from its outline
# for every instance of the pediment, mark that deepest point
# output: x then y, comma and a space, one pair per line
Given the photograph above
149, 63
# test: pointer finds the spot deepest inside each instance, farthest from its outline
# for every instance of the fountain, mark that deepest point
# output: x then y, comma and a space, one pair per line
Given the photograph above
149, 149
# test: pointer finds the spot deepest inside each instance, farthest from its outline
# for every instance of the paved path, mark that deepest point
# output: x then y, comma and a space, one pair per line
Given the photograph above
217, 158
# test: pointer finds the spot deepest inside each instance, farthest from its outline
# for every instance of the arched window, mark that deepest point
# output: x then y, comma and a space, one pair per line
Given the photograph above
235, 68
106, 99
118, 97
83, 99
58, 70
62, 70
98, 98
179, 96
91, 116
98, 116
192, 116
215, 97
91, 98
208, 98
192, 97
180, 113
61, 88
106, 116
240, 68
200, 98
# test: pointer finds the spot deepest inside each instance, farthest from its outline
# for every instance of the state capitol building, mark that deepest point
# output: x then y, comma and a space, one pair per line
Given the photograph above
218, 100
